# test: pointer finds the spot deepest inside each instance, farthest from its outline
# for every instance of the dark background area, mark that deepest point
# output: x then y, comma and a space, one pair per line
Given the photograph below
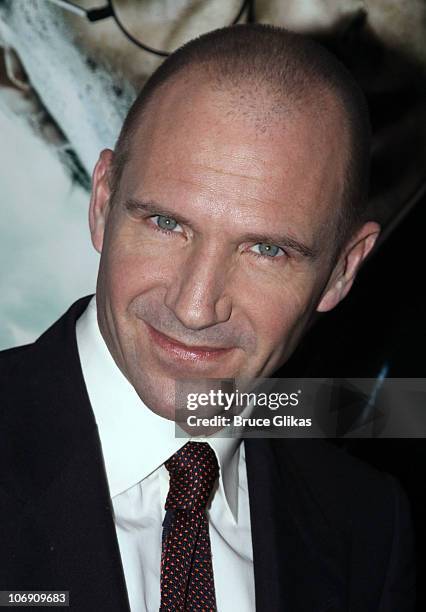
381, 327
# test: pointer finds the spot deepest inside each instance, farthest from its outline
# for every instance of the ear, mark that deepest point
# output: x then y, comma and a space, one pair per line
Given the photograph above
349, 262
100, 198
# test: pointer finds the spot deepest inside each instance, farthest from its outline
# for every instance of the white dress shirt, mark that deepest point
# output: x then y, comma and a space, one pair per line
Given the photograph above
135, 444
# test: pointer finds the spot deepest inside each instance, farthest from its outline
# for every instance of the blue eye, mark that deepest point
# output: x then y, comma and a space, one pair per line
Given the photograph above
268, 250
165, 223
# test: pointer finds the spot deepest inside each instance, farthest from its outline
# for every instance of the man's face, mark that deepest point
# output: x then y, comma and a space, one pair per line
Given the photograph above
217, 250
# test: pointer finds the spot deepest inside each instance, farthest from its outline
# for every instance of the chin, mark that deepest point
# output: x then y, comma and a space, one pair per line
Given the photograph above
157, 393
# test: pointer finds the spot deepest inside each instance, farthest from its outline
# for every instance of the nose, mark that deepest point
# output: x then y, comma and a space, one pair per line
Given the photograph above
197, 295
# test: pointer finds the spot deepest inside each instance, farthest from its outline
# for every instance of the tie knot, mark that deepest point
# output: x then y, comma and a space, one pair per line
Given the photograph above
193, 470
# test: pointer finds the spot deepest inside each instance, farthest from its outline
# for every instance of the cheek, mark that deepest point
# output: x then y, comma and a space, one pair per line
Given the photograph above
280, 312
131, 266
274, 318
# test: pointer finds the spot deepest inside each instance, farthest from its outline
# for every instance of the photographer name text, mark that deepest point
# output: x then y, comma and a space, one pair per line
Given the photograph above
277, 420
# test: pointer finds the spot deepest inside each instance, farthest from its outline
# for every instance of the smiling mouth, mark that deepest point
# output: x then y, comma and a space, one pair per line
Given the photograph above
185, 351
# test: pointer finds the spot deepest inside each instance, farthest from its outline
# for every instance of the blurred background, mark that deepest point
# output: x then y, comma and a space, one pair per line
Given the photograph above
68, 73
70, 70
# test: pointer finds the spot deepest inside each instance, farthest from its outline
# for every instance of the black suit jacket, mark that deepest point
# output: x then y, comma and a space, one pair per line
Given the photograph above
329, 533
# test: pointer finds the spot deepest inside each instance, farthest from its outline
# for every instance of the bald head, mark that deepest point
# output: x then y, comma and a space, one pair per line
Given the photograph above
232, 167
269, 76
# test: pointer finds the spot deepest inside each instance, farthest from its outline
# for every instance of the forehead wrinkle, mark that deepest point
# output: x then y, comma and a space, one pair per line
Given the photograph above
236, 200
239, 208
242, 206
228, 172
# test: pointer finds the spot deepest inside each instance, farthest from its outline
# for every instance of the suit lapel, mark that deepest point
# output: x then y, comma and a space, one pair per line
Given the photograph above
75, 521
300, 558
62, 509
61, 504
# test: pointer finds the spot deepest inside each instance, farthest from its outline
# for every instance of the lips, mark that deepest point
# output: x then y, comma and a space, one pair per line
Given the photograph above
185, 351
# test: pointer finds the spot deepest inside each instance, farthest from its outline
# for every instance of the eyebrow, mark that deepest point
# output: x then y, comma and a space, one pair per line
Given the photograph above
285, 241
154, 209
282, 240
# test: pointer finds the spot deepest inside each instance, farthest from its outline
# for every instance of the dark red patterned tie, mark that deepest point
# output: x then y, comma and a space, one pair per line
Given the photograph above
186, 561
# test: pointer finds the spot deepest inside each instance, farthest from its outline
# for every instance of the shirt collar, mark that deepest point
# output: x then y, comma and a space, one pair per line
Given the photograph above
135, 440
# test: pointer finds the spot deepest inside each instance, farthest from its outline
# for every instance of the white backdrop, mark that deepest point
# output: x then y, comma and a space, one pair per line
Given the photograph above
47, 260
71, 82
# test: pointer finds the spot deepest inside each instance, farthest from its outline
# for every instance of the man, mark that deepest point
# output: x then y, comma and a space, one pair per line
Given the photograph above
232, 210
